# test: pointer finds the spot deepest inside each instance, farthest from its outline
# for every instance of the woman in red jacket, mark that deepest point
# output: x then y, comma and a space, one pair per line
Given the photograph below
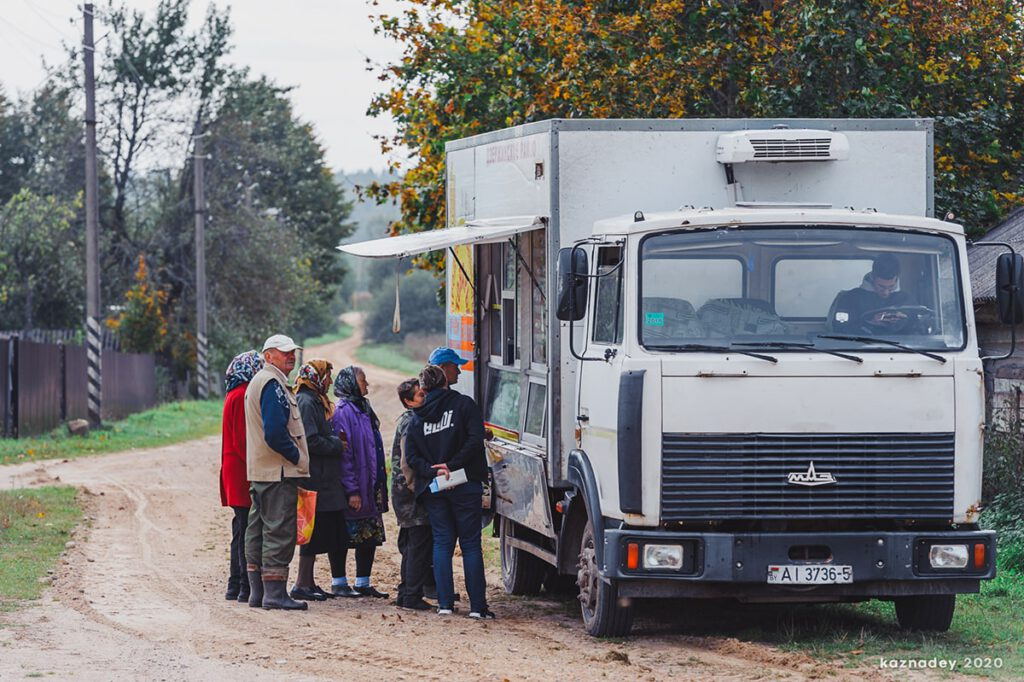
234, 483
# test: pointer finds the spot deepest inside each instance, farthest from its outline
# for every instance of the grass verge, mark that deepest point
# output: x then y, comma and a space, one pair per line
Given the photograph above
34, 526
389, 356
344, 331
163, 425
985, 639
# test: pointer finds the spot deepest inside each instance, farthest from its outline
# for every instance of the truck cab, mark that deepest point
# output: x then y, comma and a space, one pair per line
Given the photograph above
747, 432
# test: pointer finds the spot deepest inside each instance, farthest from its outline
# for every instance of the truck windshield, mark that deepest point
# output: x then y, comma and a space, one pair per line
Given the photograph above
797, 286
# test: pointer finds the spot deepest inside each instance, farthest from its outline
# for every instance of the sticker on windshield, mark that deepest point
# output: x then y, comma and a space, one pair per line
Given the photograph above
842, 317
654, 319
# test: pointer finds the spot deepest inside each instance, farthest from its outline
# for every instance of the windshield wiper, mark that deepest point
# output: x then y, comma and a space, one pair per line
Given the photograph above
715, 349
798, 346
887, 342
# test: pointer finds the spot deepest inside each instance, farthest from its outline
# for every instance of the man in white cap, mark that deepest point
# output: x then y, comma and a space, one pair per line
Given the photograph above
276, 460
449, 361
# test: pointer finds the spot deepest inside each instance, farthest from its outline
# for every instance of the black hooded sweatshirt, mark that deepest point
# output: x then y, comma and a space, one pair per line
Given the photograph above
446, 429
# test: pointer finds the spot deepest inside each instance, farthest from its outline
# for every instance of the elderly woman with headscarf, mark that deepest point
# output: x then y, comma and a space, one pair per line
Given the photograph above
325, 451
363, 476
234, 483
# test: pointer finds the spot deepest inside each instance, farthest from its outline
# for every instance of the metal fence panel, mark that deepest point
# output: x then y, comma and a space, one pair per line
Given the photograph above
40, 385
43, 384
76, 391
129, 383
6, 426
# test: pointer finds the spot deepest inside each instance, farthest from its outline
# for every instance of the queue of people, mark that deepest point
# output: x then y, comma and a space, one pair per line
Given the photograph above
277, 439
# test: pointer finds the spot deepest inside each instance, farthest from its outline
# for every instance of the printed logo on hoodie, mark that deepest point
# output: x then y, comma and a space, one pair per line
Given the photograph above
438, 426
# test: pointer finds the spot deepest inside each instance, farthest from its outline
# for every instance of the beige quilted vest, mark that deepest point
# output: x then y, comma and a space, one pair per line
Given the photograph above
263, 464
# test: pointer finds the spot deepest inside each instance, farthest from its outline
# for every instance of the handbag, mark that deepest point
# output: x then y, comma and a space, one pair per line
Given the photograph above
306, 515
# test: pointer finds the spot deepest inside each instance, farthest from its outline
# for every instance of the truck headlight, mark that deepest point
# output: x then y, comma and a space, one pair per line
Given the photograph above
948, 556
667, 556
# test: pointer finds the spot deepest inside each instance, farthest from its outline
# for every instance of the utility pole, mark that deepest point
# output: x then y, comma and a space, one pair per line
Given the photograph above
93, 330
200, 211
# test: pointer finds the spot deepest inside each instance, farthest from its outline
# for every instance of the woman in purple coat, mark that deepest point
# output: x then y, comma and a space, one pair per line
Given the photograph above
362, 475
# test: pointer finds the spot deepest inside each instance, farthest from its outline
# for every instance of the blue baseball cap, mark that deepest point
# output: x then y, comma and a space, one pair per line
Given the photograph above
442, 355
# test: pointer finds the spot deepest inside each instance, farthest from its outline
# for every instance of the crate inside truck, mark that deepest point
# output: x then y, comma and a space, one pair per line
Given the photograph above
721, 359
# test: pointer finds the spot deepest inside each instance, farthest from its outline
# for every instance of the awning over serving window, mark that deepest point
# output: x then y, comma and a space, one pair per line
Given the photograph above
475, 232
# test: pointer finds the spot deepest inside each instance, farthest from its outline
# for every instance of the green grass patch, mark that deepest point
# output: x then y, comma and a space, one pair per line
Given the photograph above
986, 626
34, 526
389, 356
163, 425
344, 331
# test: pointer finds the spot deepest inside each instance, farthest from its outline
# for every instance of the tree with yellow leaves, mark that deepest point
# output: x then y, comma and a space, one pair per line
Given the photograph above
470, 66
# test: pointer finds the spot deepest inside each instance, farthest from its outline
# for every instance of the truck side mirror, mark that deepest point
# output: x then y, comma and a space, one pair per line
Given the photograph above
572, 284
1010, 287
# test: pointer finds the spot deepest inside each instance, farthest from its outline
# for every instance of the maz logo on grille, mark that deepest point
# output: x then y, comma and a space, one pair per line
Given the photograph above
810, 477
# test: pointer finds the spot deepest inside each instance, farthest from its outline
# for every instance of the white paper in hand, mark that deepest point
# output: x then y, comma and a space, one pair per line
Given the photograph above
457, 477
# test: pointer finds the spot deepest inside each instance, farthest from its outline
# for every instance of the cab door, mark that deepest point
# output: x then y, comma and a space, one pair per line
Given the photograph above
599, 376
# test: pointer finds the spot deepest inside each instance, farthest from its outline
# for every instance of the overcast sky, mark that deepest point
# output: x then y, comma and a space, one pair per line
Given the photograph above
318, 46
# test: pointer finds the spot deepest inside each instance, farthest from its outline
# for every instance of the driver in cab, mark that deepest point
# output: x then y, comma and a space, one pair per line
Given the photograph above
868, 309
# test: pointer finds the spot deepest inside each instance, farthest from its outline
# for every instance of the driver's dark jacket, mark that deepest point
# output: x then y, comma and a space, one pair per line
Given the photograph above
851, 307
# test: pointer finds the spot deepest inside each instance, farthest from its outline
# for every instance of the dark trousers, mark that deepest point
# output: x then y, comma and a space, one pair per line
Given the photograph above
415, 544
273, 524
456, 514
238, 524
365, 554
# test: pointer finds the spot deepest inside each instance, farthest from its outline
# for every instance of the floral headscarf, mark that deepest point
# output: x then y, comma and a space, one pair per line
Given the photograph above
316, 376
242, 369
346, 387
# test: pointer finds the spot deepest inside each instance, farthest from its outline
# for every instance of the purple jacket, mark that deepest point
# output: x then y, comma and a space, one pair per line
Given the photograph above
359, 462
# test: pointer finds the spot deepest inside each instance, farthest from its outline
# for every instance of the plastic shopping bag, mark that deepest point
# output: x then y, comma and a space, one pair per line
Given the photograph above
306, 515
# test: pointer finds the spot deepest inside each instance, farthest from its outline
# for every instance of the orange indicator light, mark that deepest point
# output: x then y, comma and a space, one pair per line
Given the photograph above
633, 555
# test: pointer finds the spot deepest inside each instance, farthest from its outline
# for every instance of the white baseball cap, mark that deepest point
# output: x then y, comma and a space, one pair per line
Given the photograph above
281, 342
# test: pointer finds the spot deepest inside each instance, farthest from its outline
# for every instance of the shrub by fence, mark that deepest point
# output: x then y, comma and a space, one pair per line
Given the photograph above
43, 385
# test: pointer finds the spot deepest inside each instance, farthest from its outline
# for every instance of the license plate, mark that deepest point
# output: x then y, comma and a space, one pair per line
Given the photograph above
809, 574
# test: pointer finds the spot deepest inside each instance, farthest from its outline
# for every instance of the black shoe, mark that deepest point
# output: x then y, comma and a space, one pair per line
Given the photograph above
344, 591
232, 591
306, 594
485, 614
255, 589
243, 593
370, 591
275, 596
417, 605
319, 590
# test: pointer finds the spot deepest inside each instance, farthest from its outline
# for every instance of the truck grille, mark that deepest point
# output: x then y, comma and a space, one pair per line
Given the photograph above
746, 476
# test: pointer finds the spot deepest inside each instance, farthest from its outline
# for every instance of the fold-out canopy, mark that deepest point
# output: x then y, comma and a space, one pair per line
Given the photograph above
475, 232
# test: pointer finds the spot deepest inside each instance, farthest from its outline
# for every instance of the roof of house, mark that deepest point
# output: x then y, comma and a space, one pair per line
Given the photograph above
981, 260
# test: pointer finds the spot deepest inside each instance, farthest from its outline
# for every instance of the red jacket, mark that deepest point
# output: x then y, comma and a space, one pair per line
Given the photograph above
234, 484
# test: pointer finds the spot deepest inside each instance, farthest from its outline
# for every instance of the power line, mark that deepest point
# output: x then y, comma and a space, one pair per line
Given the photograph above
46, 21
28, 35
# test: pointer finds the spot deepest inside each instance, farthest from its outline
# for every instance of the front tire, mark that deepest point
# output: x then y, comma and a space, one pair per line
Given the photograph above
604, 613
521, 572
928, 613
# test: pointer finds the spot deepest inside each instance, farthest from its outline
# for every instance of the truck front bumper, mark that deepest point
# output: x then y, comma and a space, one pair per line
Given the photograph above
736, 564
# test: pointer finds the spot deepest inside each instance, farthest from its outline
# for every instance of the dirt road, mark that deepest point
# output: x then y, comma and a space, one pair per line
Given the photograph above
140, 596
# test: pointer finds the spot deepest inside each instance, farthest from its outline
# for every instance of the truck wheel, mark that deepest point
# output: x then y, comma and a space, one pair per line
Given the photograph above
521, 572
931, 612
604, 614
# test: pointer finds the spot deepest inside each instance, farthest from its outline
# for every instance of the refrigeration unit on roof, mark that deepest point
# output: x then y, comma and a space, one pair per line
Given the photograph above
781, 144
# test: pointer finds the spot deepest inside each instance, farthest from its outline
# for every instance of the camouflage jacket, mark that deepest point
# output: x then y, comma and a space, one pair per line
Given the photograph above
408, 510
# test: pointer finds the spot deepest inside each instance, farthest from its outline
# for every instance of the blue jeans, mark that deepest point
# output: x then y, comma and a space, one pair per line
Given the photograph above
456, 513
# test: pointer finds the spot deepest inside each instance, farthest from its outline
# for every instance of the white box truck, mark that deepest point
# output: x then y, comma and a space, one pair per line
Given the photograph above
722, 359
